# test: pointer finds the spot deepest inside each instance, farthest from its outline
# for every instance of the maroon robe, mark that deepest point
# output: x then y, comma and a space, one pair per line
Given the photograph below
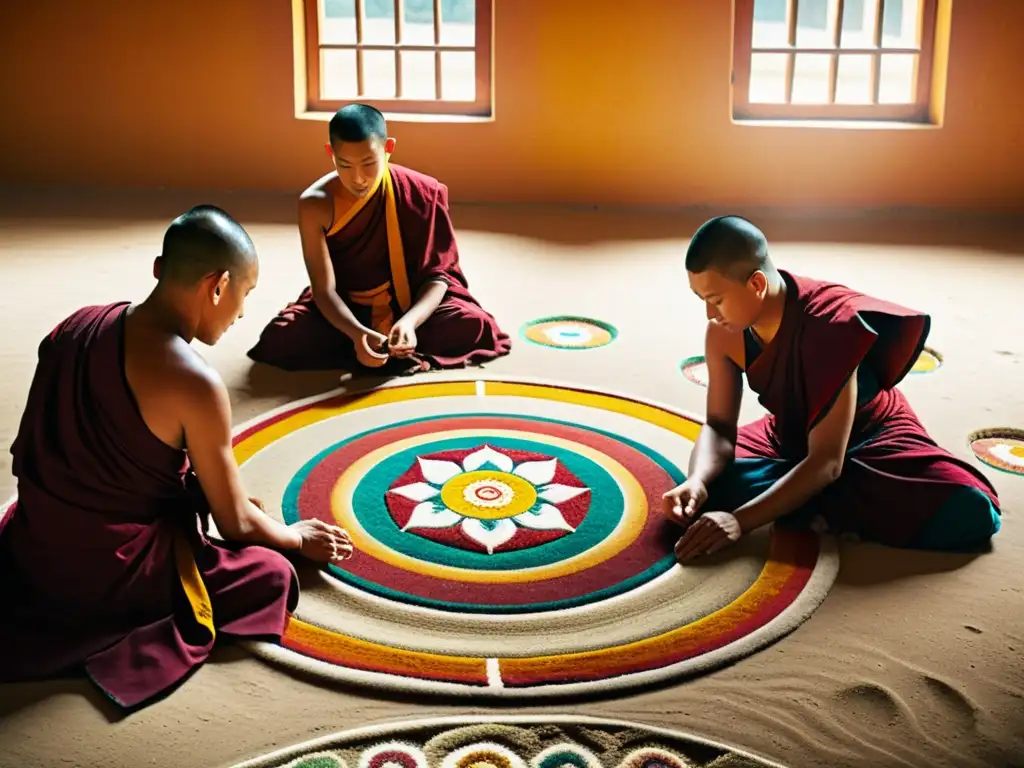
895, 478
459, 332
89, 555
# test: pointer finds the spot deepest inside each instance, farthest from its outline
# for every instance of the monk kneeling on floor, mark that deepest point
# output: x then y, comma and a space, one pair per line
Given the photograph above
839, 441
386, 289
122, 455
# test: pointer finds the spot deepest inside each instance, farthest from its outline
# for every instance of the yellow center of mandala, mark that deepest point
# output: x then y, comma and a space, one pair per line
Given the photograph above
1018, 451
488, 494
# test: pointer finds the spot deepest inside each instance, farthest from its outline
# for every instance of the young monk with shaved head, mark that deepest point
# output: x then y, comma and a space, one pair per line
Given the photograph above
839, 440
122, 455
386, 287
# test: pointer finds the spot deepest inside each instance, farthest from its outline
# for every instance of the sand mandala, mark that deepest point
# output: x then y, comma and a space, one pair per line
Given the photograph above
1001, 448
695, 369
524, 741
567, 332
497, 523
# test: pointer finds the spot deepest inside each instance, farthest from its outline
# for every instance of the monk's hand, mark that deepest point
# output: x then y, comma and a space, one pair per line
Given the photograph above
709, 533
373, 341
681, 504
321, 542
257, 503
402, 341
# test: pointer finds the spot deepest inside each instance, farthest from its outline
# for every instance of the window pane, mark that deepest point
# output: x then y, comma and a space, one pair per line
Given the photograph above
810, 78
338, 75
418, 75
898, 77
418, 24
458, 23
900, 23
859, 24
337, 21
767, 78
379, 25
379, 74
769, 23
812, 24
458, 75
853, 84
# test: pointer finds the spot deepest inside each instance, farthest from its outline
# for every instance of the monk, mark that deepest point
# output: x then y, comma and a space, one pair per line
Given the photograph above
386, 290
122, 455
840, 441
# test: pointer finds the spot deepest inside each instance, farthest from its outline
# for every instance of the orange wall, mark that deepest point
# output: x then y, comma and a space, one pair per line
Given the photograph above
590, 109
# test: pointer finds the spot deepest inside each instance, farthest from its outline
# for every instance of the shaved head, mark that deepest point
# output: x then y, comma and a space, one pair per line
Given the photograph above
356, 123
730, 245
202, 242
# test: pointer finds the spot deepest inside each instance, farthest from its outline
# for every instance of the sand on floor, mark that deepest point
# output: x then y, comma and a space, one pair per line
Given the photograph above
914, 659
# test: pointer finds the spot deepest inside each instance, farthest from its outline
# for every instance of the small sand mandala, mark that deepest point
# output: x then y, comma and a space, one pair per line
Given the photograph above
510, 741
497, 522
567, 332
1002, 448
695, 369
928, 361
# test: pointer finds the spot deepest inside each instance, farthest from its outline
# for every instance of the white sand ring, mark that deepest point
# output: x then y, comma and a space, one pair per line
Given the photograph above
822, 575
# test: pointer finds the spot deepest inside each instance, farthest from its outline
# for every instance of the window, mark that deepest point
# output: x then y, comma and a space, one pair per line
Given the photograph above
402, 56
834, 60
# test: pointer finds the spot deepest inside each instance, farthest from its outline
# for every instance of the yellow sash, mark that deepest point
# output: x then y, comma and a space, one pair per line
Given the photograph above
396, 253
192, 583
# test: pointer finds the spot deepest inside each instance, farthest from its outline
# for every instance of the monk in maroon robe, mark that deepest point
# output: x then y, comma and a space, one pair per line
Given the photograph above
840, 442
386, 289
122, 455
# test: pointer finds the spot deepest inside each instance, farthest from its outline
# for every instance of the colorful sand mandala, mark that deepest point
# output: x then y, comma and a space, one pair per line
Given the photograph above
515, 741
1001, 448
928, 361
567, 332
695, 369
496, 523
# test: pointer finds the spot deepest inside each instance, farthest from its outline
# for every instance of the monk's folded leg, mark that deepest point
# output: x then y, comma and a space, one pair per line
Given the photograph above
301, 339
965, 522
252, 589
461, 333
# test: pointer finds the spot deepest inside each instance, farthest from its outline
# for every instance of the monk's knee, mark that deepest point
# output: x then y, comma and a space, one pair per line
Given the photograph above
277, 574
452, 334
967, 521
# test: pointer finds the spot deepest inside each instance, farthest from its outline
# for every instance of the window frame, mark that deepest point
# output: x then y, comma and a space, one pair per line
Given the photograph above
919, 111
308, 62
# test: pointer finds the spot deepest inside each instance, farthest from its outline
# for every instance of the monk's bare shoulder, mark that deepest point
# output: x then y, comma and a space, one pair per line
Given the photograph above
316, 203
724, 342
169, 380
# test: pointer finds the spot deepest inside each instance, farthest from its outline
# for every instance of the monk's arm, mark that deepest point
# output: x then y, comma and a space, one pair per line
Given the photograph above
716, 444
319, 268
427, 300
206, 418
826, 450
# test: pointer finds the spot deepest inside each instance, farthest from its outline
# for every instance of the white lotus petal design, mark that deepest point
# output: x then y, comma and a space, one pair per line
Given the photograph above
486, 454
439, 472
431, 515
416, 491
491, 538
546, 518
556, 493
537, 472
